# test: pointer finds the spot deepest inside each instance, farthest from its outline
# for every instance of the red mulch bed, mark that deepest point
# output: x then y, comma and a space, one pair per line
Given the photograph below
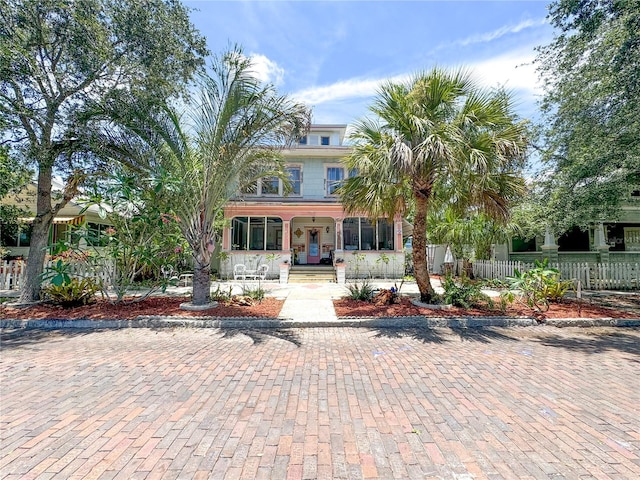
166, 306
566, 309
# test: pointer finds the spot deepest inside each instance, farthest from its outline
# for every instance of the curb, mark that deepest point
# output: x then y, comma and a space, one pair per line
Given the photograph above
244, 322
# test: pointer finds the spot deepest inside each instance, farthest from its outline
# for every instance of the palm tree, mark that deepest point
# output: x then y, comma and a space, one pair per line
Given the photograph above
231, 138
436, 138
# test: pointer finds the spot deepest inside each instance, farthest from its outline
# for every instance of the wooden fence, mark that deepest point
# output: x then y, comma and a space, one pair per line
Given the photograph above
593, 276
12, 273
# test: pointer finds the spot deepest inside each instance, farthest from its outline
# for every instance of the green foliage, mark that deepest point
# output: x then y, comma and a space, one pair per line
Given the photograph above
469, 233
58, 274
437, 138
71, 71
13, 178
216, 151
220, 295
143, 235
72, 293
253, 292
360, 291
590, 142
537, 287
462, 294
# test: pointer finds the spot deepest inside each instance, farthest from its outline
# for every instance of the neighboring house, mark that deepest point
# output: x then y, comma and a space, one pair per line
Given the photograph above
613, 241
18, 240
308, 226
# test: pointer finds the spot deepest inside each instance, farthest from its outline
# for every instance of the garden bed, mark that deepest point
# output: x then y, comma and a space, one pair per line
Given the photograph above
163, 306
591, 308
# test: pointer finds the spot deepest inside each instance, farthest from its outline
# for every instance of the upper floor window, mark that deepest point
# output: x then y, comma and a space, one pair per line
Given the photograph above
303, 140
335, 176
273, 186
269, 186
324, 140
295, 179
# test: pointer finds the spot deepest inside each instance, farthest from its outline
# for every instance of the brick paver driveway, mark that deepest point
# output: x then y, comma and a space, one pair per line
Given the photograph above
312, 403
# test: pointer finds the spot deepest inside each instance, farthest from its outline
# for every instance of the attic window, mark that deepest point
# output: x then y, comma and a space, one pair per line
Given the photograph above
324, 140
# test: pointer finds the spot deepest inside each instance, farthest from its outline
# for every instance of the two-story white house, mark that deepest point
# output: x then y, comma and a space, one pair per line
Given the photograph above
309, 226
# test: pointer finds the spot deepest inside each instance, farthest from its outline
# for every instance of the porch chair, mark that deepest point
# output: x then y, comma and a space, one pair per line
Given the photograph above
239, 271
262, 271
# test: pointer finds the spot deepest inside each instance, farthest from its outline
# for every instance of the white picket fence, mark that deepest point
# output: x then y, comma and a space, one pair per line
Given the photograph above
12, 273
593, 276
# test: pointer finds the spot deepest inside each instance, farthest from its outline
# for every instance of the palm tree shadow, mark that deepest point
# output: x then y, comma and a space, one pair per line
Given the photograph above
260, 335
482, 335
596, 343
26, 337
424, 335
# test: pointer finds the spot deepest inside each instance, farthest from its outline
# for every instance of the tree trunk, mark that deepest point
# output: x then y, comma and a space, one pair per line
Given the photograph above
420, 260
30, 290
201, 282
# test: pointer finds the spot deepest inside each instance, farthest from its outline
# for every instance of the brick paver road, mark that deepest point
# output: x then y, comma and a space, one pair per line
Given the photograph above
327, 403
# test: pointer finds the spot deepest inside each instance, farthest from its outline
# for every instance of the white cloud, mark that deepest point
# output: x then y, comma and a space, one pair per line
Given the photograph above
266, 70
501, 32
513, 70
352, 88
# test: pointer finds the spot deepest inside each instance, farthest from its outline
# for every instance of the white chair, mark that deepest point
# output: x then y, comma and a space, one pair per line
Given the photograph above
262, 271
239, 271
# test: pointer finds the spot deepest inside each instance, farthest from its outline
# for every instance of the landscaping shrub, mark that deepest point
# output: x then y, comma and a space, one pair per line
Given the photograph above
464, 294
537, 287
73, 293
360, 291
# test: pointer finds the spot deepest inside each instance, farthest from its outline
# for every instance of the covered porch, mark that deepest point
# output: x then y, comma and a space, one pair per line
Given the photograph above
284, 236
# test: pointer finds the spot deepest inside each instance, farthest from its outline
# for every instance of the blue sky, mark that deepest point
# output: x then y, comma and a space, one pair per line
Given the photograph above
333, 55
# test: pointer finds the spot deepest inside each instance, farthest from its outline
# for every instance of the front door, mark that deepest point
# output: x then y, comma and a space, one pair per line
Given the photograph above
313, 246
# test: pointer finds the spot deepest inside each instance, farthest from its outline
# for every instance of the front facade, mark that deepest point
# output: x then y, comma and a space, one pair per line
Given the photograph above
308, 225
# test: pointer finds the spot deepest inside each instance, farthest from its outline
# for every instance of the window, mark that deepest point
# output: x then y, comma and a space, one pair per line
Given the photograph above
9, 235
239, 230
303, 140
385, 234
96, 236
324, 140
363, 234
295, 178
256, 233
335, 175
351, 229
270, 186
523, 245
367, 235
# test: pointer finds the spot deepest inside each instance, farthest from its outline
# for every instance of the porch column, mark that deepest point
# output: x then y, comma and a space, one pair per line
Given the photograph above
286, 237
600, 243
550, 248
398, 232
338, 252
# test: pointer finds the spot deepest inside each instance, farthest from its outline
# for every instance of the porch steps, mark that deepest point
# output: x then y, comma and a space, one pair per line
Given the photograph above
312, 274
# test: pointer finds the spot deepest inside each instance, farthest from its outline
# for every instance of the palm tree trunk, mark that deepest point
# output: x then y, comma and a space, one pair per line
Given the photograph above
201, 282
420, 260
